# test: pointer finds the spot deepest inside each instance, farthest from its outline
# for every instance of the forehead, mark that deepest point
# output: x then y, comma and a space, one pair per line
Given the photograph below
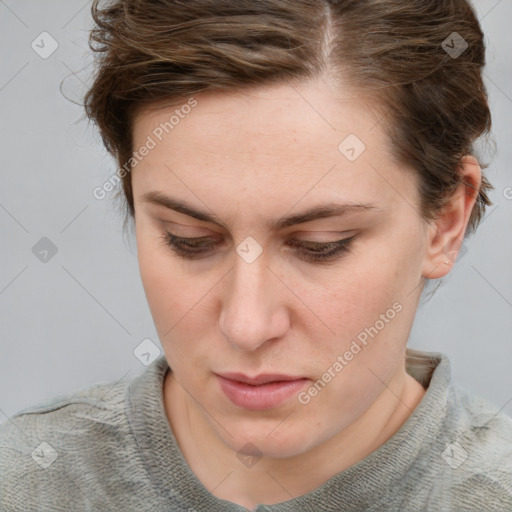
269, 120
281, 143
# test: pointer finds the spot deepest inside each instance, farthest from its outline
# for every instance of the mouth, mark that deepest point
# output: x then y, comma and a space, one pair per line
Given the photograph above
265, 391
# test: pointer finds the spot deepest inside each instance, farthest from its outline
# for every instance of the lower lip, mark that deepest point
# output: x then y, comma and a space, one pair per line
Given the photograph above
264, 396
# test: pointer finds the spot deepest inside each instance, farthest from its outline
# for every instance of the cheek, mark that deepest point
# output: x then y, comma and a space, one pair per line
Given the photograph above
175, 299
369, 316
353, 300
160, 280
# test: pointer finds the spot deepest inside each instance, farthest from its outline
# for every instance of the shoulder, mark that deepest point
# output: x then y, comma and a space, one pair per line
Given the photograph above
481, 424
97, 401
43, 446
478, 452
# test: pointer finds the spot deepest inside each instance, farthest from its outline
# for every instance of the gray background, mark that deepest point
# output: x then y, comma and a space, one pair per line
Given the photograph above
76, 319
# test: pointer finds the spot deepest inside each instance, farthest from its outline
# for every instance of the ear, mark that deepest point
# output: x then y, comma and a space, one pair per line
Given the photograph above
446, 233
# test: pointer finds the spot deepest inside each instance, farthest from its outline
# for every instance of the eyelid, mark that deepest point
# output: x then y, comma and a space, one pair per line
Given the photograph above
329, 253
207, 241
293, 241
290, 231
333, 235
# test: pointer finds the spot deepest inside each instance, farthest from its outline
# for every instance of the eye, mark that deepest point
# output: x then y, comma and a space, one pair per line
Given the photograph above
196, 248
323, 251
188, 247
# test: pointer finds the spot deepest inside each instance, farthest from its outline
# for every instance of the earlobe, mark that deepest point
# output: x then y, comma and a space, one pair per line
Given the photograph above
447, 232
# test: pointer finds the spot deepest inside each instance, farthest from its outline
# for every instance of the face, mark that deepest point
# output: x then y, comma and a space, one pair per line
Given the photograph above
326, 302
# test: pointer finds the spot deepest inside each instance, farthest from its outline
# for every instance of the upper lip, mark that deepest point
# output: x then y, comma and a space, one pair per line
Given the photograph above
263, 378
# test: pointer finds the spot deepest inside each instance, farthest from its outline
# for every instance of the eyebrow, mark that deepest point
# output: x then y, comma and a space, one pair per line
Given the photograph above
314, 213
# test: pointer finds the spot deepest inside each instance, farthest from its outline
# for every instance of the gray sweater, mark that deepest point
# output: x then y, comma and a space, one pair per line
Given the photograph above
109, 447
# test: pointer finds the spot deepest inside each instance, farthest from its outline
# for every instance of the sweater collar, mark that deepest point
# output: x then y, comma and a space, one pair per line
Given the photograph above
358, 487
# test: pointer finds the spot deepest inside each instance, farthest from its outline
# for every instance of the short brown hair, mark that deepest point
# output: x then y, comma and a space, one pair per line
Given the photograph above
161, 52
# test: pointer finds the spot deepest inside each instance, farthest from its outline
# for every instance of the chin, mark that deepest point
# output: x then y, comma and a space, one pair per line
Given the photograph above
267, 440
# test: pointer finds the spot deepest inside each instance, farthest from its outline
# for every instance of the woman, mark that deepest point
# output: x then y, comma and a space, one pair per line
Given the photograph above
296, 172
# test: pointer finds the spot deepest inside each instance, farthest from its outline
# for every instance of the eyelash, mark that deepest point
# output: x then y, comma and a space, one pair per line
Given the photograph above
325, 252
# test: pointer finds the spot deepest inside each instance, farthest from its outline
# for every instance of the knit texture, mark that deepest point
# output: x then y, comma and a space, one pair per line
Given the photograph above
109, 447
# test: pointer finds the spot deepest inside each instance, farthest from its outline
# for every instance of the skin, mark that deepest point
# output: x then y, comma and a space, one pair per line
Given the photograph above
250, 158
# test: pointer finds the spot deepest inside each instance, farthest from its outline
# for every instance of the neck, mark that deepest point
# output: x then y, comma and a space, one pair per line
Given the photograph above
275, 480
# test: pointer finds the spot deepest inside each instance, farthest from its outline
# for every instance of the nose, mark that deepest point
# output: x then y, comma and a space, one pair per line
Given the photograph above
253, 307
